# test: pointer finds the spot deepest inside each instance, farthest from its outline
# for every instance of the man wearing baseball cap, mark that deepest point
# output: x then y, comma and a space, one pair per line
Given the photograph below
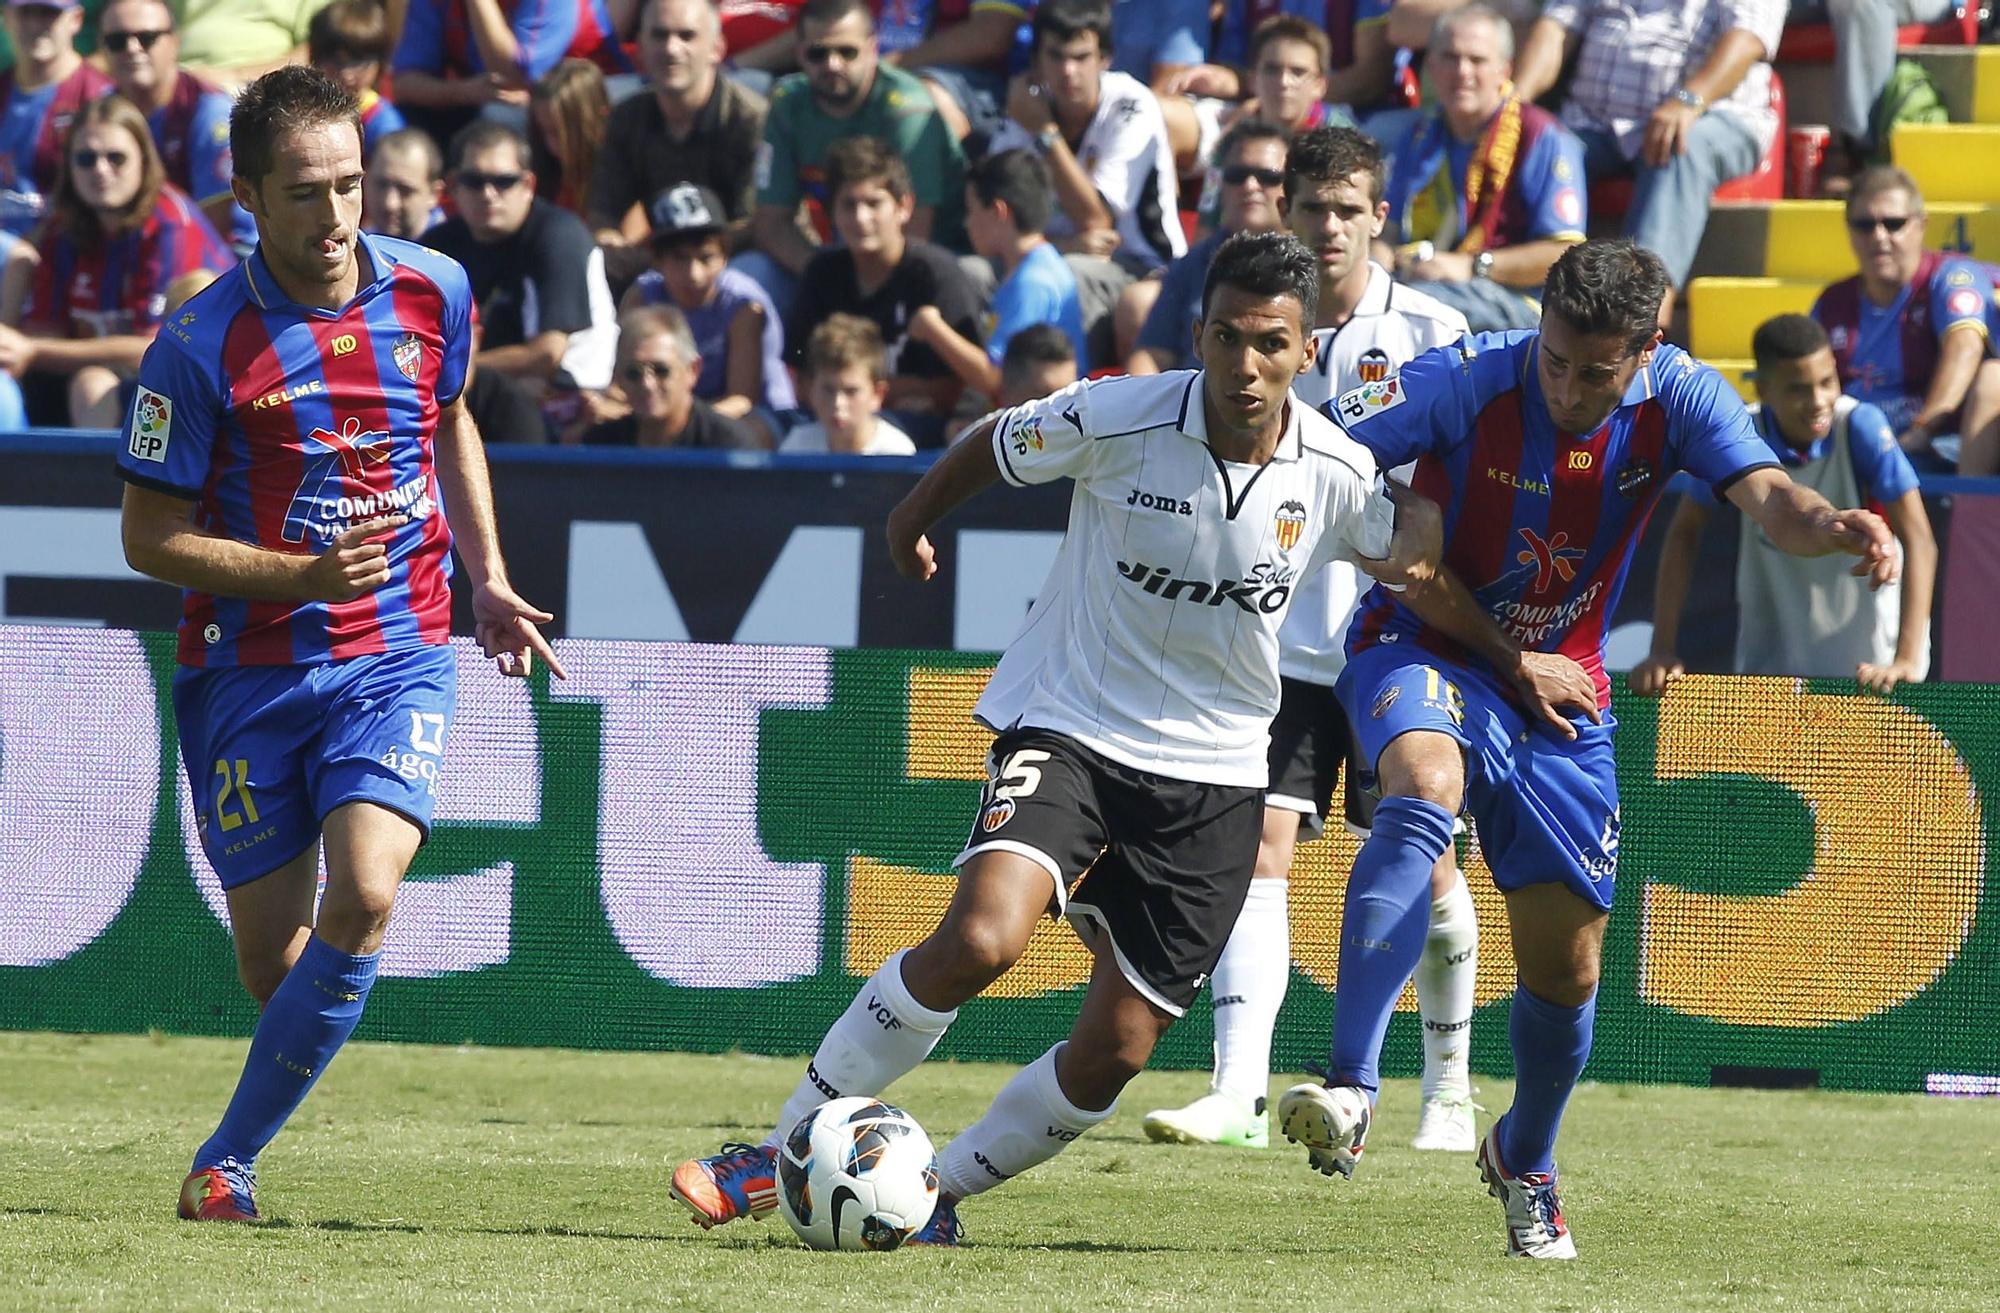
39, 97
736, 328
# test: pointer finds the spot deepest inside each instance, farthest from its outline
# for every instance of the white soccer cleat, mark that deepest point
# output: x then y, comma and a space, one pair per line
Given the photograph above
1331, 1122
1214, 1118
1535, 1226
1446, 1124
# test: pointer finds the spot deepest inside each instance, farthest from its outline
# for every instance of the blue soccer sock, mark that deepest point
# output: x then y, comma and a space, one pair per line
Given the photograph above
307, 1020
1551, 1044
1382, 930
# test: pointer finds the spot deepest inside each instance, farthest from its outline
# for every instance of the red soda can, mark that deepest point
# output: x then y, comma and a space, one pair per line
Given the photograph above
1805, 154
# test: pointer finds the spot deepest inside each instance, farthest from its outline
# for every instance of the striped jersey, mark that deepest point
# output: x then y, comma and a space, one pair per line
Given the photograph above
1539, 523
1154, 641
115, 287
34, 125
285, 424
1886, 354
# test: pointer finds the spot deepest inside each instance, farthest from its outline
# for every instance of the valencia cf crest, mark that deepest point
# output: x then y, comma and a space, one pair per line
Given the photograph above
1373, 366
997, 815
408, 354
1291, 523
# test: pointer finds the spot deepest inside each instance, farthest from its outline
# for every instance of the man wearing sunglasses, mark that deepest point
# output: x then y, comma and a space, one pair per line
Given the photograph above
1487, 190
845, 91
1913, 332
189, 117
537, 276
38, 97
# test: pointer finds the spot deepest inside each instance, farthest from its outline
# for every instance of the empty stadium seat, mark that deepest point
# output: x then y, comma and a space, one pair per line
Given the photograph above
1951, 161
1723, 313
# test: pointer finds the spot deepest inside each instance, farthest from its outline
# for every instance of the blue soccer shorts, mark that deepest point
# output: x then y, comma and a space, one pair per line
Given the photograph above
1546, 807
271, 750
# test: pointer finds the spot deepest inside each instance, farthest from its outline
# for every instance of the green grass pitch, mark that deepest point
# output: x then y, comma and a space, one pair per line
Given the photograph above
427, 1178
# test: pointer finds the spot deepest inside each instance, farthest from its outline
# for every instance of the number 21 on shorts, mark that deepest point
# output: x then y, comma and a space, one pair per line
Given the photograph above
1016, 777
235, 777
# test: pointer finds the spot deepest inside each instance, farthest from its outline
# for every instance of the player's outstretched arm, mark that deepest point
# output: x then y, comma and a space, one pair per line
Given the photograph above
1546, 681
163, 542
1800, 521
967, 468
1662, 665
503, 621
1417, 545
1912, 527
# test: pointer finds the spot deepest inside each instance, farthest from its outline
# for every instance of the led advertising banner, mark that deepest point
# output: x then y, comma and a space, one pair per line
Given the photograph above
707, 847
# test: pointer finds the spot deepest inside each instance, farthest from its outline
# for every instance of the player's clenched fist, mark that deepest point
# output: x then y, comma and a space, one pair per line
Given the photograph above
913, 554
352, 564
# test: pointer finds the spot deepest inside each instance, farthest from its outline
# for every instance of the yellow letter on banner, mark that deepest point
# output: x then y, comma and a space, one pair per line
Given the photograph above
1898, 859
892, 907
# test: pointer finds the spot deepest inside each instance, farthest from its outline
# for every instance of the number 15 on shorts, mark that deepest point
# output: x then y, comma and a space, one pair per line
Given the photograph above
1016, 777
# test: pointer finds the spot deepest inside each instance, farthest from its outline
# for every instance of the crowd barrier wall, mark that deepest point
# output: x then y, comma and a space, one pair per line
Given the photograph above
706, 847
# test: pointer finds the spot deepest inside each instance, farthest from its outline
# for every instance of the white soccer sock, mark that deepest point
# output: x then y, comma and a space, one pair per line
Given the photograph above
1030, 1122
1248, 988
884, 1033
1445, 976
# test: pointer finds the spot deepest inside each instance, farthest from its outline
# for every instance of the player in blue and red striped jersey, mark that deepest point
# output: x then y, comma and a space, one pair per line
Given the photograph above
1912, 333
1547, 451
39, 96
116, 237
299, 432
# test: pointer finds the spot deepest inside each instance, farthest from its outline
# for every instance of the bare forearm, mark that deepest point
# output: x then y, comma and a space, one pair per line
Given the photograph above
1541, 61
429, 91
495, 41
1726, 65
66, 355
967, 468
468, 495
967, 359
1074, 190
1676, 574
188, 557
1958, 361
1366, 80
1920, 558
778, 236
1448, 606
535, 359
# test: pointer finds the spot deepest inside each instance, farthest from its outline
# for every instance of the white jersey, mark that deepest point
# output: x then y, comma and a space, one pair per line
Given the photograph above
1391, 326
1154, 641
1126, 155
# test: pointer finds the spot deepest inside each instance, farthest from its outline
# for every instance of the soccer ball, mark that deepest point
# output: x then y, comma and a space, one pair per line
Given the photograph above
857, 1174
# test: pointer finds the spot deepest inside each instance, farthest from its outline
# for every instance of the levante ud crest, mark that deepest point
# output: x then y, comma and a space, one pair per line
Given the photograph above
408, 354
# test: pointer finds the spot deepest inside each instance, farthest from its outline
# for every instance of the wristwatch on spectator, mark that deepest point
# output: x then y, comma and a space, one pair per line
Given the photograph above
1694, 100
1482, 265
1048, 137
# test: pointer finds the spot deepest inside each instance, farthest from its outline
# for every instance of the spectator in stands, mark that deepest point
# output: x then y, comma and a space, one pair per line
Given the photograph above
758, 39
116, 236
39, 98
1864, 56
694, 128
1007, 206
349, 42
1810, 616
1912, 333
1675, 92
1288, 62
537, 278
1411, 22
845, 92
1165, 309
847, 377
567, 112
234, 42
1040, 360
1105, 144
737, 331
883, 274
403, 188
458, 58
188, 116
961, 50
657, 366
1360, 64
1488, 189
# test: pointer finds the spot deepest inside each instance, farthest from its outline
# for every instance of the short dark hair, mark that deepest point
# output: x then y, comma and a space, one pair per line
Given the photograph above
1019, 178
484, 134
1248, 130
829, 12
1611, 287
413, 141
1065, 20
1878, 178
1334, 155
356, 28
1782, 338
284, 100
1268, 264
1037, 344
853, 160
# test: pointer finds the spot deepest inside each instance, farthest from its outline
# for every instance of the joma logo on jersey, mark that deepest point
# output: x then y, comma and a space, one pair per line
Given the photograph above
1291, 523
1153, 501
1266, 592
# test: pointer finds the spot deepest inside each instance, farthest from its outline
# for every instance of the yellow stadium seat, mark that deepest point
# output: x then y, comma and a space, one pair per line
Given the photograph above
1808, 239
1738, 372
1951, 161
1723, 313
